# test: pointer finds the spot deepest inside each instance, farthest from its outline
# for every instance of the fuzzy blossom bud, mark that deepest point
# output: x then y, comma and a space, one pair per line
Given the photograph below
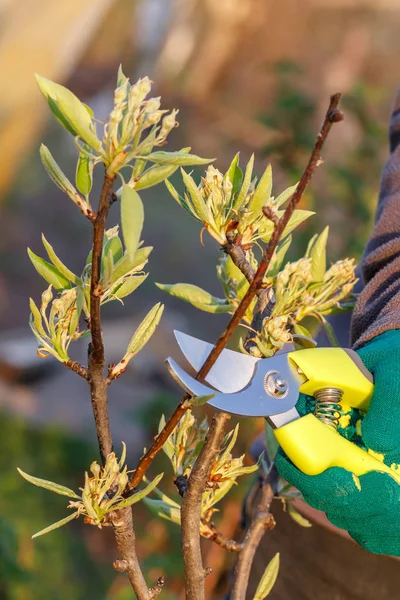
213, 176
153, 104
138, 92
227, 187
47, 297
120, 94
342, 270
168, 123
276, 330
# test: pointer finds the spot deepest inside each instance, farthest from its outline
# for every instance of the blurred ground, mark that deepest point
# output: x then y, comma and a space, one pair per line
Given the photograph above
252, 76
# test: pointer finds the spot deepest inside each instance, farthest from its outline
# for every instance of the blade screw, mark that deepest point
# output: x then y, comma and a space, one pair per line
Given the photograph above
275, 385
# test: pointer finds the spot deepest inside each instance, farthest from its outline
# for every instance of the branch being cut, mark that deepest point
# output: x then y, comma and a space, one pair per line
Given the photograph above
191, 508
333, 115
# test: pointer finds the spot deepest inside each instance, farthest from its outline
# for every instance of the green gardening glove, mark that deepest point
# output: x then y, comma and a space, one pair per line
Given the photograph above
368, 506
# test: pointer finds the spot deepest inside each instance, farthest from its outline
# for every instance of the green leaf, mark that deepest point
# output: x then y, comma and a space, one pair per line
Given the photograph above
121, 78
154, 176
330, 332
268, 579
59, 265
180, 158
200, 400
245, 185
56, 525
84, 172
48, 485
164, 510
76, 315
196, 297
284, 196
115, 245
168, 446
279, 257
36, 317
49, 272
298, 217
129, 286
262, 193
157, 174
300, 330
69, 111
234, 174
58, 177
140, 495
270, 442
179, 199
199, 205
146, 329
310, 245
296, 516
318, 256
126, 265
132, 217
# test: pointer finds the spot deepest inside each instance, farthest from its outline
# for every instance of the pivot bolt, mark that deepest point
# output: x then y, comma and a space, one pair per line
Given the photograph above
275, 385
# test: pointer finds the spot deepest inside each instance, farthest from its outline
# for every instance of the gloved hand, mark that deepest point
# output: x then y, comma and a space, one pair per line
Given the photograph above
368, 506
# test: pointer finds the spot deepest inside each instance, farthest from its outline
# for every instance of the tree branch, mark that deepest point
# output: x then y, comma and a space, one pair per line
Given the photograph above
333, 115
122, 520
191, 508
75, 366
96, 360
219, 538
262, 521
125, 537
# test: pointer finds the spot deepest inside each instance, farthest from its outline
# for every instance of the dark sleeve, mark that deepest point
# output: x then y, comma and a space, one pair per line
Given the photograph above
378, 307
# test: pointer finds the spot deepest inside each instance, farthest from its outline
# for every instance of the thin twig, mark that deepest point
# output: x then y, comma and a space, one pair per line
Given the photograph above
158, 588
75, 366
333, 115
96, 359
219, 538
262, 521
191, 509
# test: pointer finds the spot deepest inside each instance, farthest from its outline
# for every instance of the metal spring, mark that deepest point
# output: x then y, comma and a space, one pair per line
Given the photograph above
327, 406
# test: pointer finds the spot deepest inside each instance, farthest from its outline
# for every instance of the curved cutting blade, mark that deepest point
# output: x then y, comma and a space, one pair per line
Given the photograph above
251, 401
232, 370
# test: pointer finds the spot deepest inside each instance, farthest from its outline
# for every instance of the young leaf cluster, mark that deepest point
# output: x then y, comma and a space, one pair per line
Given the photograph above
101, 494
230, 208
135, 127
232, 203
182, 448
121, 274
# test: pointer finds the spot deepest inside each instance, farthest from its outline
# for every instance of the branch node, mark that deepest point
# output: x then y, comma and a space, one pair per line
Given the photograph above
120, 565
155, 591
207, 571
270, 214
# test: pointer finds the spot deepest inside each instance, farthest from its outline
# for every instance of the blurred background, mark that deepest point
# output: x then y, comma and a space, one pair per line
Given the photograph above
253, 76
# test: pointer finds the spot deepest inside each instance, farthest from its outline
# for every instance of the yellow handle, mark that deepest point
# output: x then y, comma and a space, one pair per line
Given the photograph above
314, 447
335, 367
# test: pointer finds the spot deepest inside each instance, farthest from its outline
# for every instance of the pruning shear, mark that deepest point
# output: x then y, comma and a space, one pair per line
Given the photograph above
269, 387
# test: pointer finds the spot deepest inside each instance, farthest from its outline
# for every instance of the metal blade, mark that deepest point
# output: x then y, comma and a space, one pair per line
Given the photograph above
252, 401
232, 370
